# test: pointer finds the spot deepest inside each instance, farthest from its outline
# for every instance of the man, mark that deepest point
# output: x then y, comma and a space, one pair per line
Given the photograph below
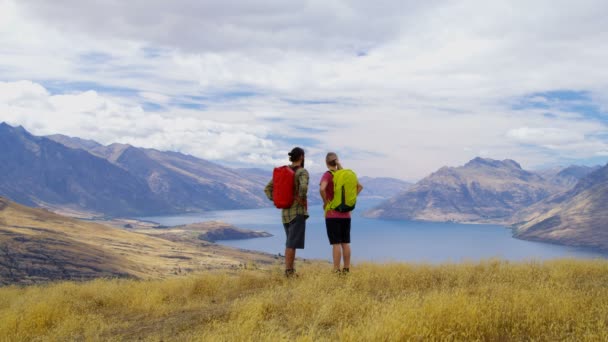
336, 223
294, 217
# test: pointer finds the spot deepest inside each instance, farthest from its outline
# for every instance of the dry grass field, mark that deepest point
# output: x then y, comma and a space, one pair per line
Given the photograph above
487, 301
37, 245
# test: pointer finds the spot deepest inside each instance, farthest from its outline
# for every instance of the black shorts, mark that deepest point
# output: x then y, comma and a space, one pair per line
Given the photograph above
338, 230
295, 232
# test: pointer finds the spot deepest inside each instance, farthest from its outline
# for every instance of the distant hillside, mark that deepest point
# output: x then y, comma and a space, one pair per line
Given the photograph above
567, 177
37, 246
483, 190
37, 171
383, 187
185, 182
61, 172
208, 231
577, 217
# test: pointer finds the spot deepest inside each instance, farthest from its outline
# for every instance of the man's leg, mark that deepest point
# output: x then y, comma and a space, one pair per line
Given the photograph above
295, 231
337, 254
290, 256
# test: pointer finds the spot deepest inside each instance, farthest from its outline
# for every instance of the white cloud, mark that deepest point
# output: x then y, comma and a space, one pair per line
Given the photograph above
107, 120
545, 136
402, 87
156, 97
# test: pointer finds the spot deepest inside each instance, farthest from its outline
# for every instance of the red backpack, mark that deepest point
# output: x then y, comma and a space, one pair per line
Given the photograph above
283, 179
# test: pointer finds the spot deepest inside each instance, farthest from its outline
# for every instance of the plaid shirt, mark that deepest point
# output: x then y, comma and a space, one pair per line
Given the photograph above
301, 191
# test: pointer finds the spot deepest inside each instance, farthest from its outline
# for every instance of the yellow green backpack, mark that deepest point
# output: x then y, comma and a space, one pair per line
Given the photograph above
345, 191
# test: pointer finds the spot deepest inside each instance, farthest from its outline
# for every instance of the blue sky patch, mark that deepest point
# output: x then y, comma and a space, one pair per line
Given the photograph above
301, 141
152, 107
573, 101
95, 58
56, 87
550, 115
150, 52
311, 130
191, 105
230, 95
196, 98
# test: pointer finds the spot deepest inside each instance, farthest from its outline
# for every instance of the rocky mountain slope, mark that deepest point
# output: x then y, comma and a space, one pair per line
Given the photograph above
37, 171
577, 217
187, 182
60, 172
483, 190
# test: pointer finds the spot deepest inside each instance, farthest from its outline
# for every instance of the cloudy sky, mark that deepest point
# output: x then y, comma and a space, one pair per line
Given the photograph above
397, 88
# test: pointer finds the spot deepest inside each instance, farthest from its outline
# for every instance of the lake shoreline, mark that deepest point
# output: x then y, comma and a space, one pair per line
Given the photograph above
376, 240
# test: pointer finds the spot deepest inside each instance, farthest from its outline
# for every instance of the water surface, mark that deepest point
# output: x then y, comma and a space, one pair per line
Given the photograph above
387, 240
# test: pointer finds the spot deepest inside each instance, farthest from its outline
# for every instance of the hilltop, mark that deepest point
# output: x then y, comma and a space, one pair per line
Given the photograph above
486, 301
38, 246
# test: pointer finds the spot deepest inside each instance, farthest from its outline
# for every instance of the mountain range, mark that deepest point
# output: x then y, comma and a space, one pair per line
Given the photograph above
118, 179
184, 182
566, 205
75, 175
483, 190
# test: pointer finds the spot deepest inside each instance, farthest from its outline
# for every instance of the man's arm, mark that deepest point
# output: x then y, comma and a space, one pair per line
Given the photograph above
268, 190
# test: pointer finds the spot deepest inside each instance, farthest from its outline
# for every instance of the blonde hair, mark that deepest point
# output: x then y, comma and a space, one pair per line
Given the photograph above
331, 159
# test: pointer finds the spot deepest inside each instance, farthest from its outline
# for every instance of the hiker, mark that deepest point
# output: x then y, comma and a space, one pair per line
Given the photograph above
288, 189
337, 222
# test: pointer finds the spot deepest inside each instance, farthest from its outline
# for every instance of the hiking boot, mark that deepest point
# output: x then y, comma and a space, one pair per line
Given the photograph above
345, 270
291, 273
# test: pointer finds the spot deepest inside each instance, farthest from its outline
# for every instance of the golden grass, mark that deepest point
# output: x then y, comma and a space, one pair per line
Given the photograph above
32, 237
490, 301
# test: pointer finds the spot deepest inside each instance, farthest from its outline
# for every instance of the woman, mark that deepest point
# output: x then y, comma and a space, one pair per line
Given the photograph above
336, 223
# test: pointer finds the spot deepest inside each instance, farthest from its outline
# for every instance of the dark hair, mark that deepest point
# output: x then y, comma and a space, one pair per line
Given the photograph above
295, 154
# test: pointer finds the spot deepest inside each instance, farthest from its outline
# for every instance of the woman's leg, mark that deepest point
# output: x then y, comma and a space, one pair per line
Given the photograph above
337, 254
345, 255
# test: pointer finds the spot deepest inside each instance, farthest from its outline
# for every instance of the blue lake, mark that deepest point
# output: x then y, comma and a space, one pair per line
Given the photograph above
386, 240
